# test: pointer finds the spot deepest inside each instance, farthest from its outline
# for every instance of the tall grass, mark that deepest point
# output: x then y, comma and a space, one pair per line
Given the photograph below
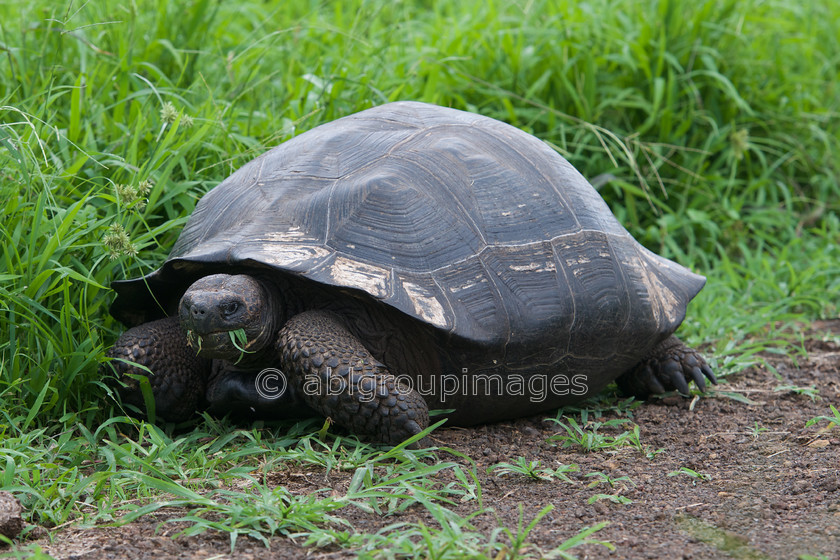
716, 123
713, 126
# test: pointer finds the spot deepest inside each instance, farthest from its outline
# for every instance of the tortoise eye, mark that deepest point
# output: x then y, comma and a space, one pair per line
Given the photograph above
229, 308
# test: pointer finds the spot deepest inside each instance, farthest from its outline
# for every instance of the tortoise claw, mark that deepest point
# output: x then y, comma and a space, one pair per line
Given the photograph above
653, 383
674, 372
707, 371
698, 378
671, 366
691, 365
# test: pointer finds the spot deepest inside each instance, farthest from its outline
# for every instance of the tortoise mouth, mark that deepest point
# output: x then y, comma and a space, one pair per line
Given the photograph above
213, 344
230, 345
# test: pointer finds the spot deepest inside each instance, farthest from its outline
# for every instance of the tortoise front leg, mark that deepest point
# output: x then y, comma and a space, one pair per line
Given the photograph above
670, 366
178, 376
251, 394
332, 371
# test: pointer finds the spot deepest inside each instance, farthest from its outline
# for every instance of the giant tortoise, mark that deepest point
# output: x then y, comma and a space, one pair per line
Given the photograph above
403, 258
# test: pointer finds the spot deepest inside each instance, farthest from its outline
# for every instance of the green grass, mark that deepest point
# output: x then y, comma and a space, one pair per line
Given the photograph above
713, 125
832, 420
533, 470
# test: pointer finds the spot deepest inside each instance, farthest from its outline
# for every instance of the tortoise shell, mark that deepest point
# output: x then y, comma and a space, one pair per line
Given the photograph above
457, 220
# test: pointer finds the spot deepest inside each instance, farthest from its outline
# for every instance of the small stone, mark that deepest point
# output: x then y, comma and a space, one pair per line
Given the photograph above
11, 522
830, 484
601, 508
801, 486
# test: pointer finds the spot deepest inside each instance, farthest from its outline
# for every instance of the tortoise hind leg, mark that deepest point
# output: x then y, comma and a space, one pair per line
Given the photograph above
670, 366
333, 373
178, 376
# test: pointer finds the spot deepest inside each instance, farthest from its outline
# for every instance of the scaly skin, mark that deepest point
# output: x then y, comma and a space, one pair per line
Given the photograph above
670, 366
178, 375
335, 375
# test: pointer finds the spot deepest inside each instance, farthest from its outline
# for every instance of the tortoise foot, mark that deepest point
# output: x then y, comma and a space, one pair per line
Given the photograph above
252, 395
334, 374
671, 366
159, 350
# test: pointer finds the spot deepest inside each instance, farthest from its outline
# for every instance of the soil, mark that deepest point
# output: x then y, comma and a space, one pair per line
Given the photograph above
770, 486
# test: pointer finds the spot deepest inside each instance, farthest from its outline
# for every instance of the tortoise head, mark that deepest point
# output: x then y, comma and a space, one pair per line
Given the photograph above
227, 317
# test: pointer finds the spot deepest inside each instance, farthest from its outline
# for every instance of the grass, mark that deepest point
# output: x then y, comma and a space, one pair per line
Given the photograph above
533, 470
832, 420
691, 473
589, 437
713, 127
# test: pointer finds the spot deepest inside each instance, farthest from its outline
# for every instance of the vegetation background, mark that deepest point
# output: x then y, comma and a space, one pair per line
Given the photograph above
711, 127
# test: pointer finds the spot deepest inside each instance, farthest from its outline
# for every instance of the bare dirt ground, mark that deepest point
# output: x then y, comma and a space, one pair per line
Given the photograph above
771, 486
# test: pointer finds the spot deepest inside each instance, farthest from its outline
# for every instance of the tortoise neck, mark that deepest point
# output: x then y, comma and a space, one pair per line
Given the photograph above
280, 302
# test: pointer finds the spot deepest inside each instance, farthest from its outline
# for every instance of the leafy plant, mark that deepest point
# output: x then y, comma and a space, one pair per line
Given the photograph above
614, 498
757, 430
589, 437
533, 470
634, 439
194, 340
518, 538
832, 420
239, 339
690, 472
601, 478
812, 392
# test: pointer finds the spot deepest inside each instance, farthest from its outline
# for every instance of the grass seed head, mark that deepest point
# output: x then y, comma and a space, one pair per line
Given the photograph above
168, 113
118, 242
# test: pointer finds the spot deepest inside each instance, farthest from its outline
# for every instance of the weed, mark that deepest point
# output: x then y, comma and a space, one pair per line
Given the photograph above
601, 478
690, 472
589, 437
533, 470
601, 405
757, 430
614, 498
194, 341
518, 538
832, 420
812, 392
635, 440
